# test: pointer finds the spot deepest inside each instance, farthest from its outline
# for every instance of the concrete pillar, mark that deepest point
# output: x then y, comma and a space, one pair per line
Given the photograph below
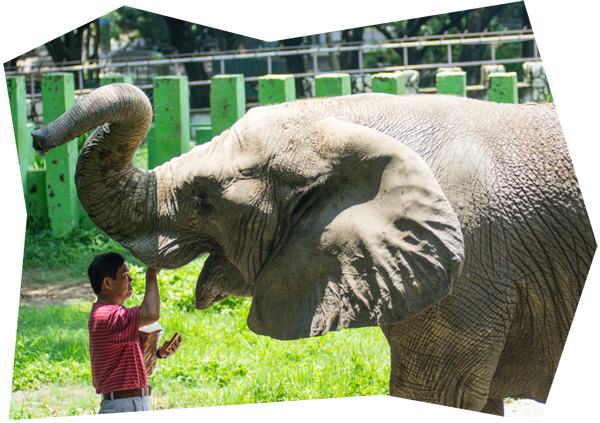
171, 120
112, 79
535, 75
58, 95
453, 83
203, 134
388, 82
227, 101
332, 84
35, 196
503, 88
17, 97
274, 89
411, 81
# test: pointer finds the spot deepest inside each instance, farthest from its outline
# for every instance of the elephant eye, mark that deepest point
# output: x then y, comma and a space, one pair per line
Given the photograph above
201, 204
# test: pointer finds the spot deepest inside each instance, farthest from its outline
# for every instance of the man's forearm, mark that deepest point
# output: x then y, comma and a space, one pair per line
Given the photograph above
150, 306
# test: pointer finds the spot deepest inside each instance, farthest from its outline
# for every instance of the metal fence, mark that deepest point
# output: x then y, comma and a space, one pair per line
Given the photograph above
315, 58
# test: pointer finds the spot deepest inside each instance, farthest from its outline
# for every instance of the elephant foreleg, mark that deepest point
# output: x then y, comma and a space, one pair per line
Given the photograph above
448, 354
494, 406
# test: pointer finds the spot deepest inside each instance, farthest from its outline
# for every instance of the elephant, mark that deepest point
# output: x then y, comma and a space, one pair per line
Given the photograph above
456, 225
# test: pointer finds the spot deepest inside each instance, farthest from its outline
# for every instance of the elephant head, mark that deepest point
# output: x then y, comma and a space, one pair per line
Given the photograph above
327, 223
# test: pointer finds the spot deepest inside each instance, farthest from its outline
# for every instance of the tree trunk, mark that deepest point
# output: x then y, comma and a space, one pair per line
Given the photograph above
295, 64
68, 48
184, 41
349, 60
477, 21
334, 61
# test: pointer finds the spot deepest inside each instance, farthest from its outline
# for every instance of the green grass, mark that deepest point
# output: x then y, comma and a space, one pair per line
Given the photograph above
219, 363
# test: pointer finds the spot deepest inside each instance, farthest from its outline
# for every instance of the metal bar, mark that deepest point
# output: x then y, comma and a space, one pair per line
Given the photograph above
404, 44
360, 61
317, 50
80, 76
32, 90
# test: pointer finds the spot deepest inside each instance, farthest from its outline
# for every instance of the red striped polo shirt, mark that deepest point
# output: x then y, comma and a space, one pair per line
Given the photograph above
115, 348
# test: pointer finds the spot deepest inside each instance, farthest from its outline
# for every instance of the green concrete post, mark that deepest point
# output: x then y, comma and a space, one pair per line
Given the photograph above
203, 134
274, 89
112, 79
332, 84
17, 97
35, 196
388, 82
503, 87
227, 101
171, 120
58, 95
453, 83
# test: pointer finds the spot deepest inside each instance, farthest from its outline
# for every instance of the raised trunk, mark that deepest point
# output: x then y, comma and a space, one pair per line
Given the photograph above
119, 198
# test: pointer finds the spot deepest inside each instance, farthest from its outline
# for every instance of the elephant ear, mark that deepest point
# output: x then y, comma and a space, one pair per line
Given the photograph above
372, 239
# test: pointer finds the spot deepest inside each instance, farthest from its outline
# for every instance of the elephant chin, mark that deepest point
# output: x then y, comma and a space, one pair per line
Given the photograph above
162, 251
204, 303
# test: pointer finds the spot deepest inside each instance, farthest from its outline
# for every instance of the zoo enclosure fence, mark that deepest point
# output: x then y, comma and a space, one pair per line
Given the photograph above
315, 58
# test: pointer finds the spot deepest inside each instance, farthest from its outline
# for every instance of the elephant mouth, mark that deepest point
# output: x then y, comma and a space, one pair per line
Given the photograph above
204, 303
165, 251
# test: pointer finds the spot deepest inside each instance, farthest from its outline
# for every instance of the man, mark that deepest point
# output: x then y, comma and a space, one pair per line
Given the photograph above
118, 369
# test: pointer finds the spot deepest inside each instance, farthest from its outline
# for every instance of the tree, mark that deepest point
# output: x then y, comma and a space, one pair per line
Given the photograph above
80, 44
175, 36
473, 20
75, 46
295, 63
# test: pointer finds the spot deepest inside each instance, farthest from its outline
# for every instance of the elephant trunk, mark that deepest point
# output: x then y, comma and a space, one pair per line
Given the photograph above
119, 198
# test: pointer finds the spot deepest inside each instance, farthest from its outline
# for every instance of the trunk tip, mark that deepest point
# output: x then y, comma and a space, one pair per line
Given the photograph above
39, 140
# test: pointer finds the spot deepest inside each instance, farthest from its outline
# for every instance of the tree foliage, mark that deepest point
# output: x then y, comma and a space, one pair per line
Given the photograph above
492, 18
174, 36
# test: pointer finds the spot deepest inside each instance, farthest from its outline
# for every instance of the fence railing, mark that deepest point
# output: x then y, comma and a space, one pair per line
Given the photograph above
48, 183
310, 54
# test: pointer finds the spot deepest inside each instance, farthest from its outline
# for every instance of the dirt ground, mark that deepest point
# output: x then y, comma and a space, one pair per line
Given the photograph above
39, 294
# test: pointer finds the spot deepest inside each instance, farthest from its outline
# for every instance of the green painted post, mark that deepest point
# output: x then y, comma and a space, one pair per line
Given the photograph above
58, 92
112, 79
332, 84
453, 83
35, 196
17, 96
388, 82
227, 101
203, 134
274, 89
503, 87
171, 120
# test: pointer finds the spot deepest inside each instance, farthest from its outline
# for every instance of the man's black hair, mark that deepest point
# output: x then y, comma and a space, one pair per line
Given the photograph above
104, 265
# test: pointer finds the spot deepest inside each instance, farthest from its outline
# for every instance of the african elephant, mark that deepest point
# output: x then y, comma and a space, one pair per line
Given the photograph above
456, 225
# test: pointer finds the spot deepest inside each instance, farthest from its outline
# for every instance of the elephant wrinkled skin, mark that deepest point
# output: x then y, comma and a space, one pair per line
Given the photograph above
456, 225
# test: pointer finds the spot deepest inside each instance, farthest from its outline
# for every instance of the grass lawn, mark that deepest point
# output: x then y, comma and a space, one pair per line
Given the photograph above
220, 361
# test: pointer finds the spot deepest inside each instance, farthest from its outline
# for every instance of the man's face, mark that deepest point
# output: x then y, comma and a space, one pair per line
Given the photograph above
122, 287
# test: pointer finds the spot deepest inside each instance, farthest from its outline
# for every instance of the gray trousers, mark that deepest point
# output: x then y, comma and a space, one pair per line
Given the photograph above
124, 405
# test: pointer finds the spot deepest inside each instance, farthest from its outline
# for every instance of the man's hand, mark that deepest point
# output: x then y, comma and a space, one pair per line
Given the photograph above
170, 347
152, 272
